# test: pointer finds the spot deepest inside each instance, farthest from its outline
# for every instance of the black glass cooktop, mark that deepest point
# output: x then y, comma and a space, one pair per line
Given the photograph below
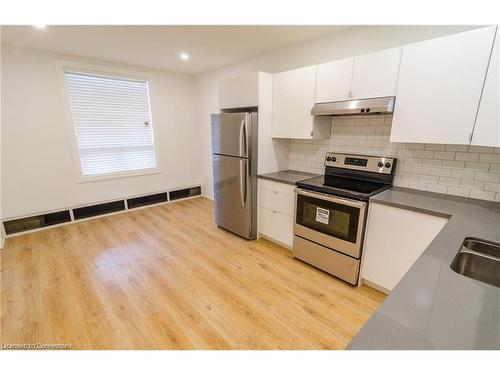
343, 186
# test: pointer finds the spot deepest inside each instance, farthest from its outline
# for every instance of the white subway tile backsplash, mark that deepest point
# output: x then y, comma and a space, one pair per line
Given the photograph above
428, 179
495, 168
434, 147
459, 191
449, 181
462, 170
415, 146
481, 149
443, 189
433, 162
424, 154
459, 148
413, 161
463, 173
453, 164
492, 186
478, 166
421, 169
417, 185
401, 181
481, 194
441, 172
478, 185
467, 156
487, 177
444, 155
489, 158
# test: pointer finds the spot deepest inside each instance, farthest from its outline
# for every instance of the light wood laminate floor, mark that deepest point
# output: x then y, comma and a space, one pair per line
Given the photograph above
166, 277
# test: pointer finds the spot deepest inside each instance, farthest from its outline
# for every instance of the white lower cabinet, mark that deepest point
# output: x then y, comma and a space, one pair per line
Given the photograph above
394, 239
276, 226
275, 211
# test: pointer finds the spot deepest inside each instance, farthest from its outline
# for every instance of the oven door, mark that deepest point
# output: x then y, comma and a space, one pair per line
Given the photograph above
331, 221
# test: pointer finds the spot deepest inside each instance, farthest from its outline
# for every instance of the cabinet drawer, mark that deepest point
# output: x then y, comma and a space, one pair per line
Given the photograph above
276, 186
276, 226
276, 201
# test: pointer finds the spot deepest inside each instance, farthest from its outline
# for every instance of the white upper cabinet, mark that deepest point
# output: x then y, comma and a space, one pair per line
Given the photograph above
487, 129
366, 76
293, 99
376, 74
239, 92
334, 80
439, 88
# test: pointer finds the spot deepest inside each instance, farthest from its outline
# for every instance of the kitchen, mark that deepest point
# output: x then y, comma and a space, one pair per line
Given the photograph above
353, 99
321, 194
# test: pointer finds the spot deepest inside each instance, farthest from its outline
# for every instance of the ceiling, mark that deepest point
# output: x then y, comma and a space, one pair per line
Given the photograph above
159, 47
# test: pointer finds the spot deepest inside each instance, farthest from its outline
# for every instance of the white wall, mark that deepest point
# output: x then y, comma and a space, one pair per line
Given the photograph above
38, 171
359, 40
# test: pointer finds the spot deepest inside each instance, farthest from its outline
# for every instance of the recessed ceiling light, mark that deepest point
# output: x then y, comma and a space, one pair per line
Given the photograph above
184, 56
40, 26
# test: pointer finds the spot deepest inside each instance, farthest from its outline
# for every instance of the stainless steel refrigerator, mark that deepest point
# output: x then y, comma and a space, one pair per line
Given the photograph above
234, 156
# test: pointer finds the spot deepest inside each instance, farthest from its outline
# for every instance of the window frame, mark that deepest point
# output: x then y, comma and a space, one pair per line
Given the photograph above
79, 67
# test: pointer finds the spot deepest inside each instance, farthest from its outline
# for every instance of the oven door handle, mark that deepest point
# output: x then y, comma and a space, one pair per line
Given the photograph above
330, 198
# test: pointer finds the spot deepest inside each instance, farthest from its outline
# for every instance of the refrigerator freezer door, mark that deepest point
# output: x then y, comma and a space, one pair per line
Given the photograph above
231, 134
234, 201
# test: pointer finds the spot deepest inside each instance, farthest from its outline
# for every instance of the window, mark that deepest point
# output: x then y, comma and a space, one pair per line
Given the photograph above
112, 123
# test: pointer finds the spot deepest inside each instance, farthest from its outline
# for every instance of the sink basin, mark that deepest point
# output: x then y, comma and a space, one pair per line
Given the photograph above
479, 260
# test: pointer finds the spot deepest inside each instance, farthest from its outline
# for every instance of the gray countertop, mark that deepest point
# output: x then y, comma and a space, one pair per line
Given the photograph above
432, 307
288, 176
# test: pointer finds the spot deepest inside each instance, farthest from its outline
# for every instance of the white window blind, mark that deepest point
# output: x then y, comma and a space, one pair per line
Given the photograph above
112, 122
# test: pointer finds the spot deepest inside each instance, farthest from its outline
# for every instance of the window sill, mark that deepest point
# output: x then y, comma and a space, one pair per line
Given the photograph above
118, 175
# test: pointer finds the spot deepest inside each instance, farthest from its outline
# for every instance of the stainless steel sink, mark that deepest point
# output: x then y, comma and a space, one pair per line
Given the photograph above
479, 260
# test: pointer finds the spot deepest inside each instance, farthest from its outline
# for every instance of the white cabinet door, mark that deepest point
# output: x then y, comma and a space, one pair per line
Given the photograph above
487, 129
239, 92
276, 203
439, 87
376, 74
334, 80
276, 226
393, 244
293, 99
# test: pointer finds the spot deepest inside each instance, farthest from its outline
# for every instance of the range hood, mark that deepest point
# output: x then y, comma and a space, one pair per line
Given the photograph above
365, 107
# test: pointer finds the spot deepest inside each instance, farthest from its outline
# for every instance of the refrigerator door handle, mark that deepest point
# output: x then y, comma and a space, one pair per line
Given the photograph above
243, 182
243, 138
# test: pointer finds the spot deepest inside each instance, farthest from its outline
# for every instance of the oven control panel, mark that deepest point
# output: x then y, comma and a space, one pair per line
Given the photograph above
360, 162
